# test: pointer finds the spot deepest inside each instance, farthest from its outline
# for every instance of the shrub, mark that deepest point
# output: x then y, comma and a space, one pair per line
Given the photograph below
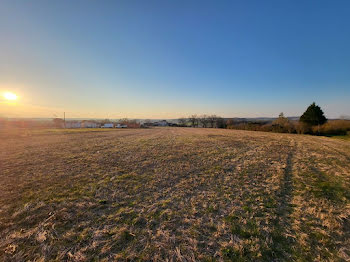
332, 128
302, 128
282, 125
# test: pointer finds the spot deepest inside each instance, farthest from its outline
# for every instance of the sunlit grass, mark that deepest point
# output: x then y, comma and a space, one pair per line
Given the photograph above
173, 193
75, 130
24, 132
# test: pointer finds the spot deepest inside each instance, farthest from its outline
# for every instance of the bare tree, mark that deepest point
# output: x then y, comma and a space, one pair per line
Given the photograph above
212, 120
129, 122
220, 122
193, 120
230, 123
124, 121
182, 121
204, 121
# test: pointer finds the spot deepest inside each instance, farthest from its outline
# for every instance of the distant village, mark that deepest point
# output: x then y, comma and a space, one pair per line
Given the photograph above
70, 124
123, 123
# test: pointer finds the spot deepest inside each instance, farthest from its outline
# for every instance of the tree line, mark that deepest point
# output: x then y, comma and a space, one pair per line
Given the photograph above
312, 121
205, 121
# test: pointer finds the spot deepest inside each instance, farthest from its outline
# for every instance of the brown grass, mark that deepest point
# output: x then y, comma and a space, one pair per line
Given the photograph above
174, 194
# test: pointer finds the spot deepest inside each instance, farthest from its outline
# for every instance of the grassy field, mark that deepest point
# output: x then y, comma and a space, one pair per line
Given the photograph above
24, 132
346, 137
173, 194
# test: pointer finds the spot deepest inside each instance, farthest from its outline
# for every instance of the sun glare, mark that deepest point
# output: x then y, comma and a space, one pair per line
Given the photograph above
10, 96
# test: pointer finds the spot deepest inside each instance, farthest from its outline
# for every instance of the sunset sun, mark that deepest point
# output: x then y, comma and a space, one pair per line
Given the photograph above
10, 96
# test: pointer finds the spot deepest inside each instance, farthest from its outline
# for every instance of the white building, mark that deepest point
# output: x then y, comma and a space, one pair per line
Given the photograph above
161, 123
90, 124
108, 125
72, 124
121, 126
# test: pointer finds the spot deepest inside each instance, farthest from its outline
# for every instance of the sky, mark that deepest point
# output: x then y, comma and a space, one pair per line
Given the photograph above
170, 59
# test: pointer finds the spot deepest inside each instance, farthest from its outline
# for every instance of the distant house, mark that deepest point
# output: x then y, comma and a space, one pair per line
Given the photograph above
72, 124
147, 124
90, 124
121, 126
161, 123
108, 125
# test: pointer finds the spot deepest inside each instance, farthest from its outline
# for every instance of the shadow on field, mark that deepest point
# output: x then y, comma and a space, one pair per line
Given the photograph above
282, 241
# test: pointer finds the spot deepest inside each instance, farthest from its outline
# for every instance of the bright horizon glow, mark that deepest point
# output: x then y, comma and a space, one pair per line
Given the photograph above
10, 96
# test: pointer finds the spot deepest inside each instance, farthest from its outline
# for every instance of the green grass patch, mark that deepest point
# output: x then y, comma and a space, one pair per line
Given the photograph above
343, 137
329, 187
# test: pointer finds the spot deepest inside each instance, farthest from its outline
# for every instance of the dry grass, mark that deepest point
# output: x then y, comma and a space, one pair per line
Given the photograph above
27, 132
174, 194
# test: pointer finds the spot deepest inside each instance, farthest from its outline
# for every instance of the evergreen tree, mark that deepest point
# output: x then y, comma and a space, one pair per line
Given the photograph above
313, 116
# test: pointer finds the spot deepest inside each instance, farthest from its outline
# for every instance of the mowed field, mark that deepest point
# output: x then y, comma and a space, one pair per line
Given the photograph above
173, 194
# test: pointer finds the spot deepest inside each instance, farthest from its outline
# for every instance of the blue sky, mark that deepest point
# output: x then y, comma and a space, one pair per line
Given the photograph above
167, 59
